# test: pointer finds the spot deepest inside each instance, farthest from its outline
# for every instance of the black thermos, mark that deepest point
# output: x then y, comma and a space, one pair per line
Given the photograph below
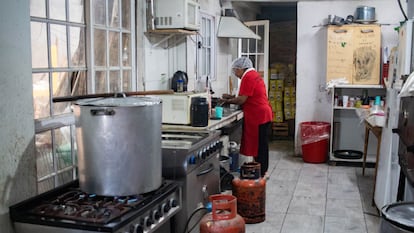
199, 112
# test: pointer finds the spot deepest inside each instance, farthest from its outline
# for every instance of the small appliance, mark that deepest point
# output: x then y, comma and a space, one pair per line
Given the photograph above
176, 108
176, 14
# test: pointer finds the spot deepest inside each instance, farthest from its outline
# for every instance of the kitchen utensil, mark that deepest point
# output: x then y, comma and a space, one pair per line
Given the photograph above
365, 14
338, 20
119, 145
219, 112
349, 19
348, 154
199, 112
103, 95
179, 81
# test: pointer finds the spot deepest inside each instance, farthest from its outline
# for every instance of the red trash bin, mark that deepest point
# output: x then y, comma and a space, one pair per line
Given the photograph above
315, 141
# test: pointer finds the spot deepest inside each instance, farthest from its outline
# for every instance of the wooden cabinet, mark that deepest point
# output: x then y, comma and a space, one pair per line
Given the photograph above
354, 53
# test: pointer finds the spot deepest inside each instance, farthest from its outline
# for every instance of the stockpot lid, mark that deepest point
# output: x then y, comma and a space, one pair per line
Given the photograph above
121, 101
400, 214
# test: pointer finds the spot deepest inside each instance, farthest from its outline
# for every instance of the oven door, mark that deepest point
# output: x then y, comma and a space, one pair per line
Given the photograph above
198, 185
406, 134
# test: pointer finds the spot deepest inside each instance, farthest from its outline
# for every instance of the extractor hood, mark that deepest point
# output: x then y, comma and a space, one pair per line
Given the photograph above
231, 27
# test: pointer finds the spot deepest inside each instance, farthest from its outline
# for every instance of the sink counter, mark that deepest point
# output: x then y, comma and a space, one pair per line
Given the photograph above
229, 116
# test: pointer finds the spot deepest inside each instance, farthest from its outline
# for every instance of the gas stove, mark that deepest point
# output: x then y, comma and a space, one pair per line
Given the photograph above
184, 151
68, 209
192, 158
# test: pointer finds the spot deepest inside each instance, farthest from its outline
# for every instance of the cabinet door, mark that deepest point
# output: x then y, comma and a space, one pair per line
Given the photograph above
339, 53
366, 54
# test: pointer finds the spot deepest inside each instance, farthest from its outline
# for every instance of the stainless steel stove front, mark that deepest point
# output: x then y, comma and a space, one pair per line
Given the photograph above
152, 217
194, 162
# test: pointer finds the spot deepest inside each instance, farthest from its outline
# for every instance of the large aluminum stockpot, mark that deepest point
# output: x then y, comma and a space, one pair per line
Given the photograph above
397, 218
119, 145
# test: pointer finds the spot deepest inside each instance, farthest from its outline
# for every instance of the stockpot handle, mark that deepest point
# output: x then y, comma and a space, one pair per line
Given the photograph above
208, 170
102, 112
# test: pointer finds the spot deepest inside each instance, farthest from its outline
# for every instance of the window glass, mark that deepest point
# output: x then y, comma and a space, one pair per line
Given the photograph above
100, 82
100, 47
99, 12
77, 47
126, 81
206, 46
38, 34
57, 9
113, 13
58, 46
44, 154
41, 96
126, 49
38, 8
126, 14
114, 51
61, 86
115, 82
76, 11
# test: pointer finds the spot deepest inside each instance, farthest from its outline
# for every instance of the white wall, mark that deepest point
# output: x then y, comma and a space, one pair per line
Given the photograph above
17, 157
312, 102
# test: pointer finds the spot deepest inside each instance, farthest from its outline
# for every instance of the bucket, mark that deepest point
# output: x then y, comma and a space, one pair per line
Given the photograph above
315, 152
315, 140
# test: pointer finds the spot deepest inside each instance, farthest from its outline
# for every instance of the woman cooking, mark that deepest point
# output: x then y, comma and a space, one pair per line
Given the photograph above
256, 109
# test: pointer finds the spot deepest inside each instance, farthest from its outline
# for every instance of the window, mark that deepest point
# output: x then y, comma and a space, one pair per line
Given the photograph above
112, 41
206, 47
66, 63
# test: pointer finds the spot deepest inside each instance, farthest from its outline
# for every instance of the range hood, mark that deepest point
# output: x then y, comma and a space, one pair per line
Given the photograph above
231, 27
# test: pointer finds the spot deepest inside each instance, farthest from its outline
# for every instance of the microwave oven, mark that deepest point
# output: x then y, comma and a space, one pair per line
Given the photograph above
176, 14
176, 108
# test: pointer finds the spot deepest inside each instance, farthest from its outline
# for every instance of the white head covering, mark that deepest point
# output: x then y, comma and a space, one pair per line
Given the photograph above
242, 63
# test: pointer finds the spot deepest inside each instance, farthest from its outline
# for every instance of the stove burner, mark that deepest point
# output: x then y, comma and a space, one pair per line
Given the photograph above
69, 208
77, 205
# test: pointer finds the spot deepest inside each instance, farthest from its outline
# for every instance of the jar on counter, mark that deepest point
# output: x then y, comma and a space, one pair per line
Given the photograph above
351, 102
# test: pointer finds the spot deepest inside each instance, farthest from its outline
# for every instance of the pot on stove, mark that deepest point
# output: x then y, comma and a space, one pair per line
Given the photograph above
119, 145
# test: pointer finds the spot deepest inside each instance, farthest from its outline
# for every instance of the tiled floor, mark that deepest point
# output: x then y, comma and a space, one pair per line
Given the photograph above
315, 198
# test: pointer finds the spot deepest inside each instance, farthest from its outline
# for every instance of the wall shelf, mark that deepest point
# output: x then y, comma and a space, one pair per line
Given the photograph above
168, 34
347, 132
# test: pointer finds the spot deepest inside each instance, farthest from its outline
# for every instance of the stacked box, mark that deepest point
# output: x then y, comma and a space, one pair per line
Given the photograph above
276, 99
289, 103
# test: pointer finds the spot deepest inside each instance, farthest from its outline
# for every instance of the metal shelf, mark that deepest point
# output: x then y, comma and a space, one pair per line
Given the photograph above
168, 34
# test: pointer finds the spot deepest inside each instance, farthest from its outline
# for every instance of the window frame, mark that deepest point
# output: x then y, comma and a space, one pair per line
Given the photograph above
56, 121
204, 16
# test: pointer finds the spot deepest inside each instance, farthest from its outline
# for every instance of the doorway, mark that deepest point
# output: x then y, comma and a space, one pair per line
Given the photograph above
281, 76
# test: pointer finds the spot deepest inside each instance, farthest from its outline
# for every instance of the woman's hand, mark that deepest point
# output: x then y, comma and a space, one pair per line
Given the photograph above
227, 96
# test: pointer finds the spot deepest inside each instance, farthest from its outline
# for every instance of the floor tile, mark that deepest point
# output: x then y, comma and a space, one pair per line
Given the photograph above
273, 223
299, 223
315, 198
343, 208
311, 189
344, 225
307, 205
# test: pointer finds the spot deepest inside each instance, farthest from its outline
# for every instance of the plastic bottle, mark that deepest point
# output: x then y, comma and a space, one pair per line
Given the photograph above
365, 98
180, 85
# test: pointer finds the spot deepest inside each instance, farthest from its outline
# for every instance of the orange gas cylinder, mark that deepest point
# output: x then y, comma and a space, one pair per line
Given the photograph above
250, 191
223, 217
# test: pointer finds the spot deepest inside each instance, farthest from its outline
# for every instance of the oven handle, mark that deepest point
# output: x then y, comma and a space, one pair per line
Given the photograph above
208, 170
